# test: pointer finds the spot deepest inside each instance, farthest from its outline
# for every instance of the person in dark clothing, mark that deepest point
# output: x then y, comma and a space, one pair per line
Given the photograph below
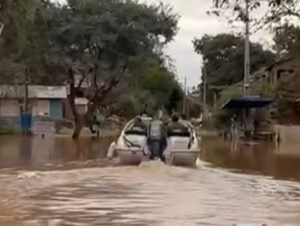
183, 116
96, 126
138, 123
157, 140
176, 125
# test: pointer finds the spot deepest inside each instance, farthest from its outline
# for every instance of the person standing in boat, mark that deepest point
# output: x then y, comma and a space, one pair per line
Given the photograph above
157, 139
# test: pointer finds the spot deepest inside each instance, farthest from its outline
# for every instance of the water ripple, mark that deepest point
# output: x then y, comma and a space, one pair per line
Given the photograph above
159, 196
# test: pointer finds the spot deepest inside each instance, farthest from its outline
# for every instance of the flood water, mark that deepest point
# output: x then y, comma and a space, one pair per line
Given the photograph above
56, 182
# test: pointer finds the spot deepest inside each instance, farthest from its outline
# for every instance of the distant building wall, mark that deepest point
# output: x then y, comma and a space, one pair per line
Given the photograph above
282, 77
40, 107
10, 110
289, 144
285, 70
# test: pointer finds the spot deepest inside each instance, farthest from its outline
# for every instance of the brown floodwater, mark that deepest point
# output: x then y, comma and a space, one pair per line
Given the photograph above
58, 182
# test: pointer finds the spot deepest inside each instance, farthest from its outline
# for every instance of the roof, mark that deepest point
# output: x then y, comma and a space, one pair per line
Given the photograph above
246, 102
34, 91
281, 60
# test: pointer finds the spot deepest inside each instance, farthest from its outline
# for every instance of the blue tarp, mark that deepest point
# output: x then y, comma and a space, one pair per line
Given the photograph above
26, 120
247, 102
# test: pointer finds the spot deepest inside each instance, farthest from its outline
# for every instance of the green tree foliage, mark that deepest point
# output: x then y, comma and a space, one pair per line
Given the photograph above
277, 9
152, 86
287, 40
107, 34
89, 40
24, 41
103, 37
17, 18
223, 55
111, 30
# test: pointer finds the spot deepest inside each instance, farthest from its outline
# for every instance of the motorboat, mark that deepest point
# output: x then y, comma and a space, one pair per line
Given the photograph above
133, 146
183, 148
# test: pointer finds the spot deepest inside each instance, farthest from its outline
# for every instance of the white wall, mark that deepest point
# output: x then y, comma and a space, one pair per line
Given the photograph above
40, 107
290, 141
9, 108
12, 108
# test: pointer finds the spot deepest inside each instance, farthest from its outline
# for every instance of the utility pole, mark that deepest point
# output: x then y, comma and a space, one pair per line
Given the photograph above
1, 28
204, 100
26, 91
184, 97
246, 58
247, 50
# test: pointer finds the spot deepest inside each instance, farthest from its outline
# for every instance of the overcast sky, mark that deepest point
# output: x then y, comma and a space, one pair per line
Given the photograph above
194, 22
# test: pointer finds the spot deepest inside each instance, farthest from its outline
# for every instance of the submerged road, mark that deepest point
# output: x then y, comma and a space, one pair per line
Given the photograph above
65, 184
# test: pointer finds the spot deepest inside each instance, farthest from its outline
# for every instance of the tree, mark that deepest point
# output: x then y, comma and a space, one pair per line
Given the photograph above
89, 40
23, 40
223, 55
151, 86
16, 16
277, 9
98, 39
287, 40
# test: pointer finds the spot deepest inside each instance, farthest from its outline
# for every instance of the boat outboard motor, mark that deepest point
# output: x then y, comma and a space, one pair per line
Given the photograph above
157, 140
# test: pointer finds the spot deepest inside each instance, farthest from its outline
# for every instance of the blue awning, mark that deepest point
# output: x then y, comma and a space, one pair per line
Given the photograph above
247, 102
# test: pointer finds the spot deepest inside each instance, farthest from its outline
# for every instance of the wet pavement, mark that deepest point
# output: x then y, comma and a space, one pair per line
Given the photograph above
56, 182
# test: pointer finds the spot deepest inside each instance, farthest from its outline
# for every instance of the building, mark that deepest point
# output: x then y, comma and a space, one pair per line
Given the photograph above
283, 79
42, 100
281, 71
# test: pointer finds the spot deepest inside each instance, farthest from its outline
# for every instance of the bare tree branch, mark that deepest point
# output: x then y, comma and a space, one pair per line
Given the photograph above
84, 76
289, 11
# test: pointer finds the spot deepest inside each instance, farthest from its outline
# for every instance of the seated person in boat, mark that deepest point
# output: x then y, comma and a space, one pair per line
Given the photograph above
185, 122
138, 124
176, 125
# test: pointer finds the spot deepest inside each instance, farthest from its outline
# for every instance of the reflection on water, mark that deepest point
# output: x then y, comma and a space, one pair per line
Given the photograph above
260, 158
152, 194
35, 153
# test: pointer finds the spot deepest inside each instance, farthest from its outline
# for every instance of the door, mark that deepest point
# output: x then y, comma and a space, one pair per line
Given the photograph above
56, 111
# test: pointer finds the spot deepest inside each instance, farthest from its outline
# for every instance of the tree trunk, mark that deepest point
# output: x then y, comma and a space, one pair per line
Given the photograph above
78, 121
77, 130
100, 93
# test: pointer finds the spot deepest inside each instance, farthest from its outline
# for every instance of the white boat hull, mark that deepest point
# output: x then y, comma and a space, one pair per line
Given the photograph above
183, 158
130, 156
